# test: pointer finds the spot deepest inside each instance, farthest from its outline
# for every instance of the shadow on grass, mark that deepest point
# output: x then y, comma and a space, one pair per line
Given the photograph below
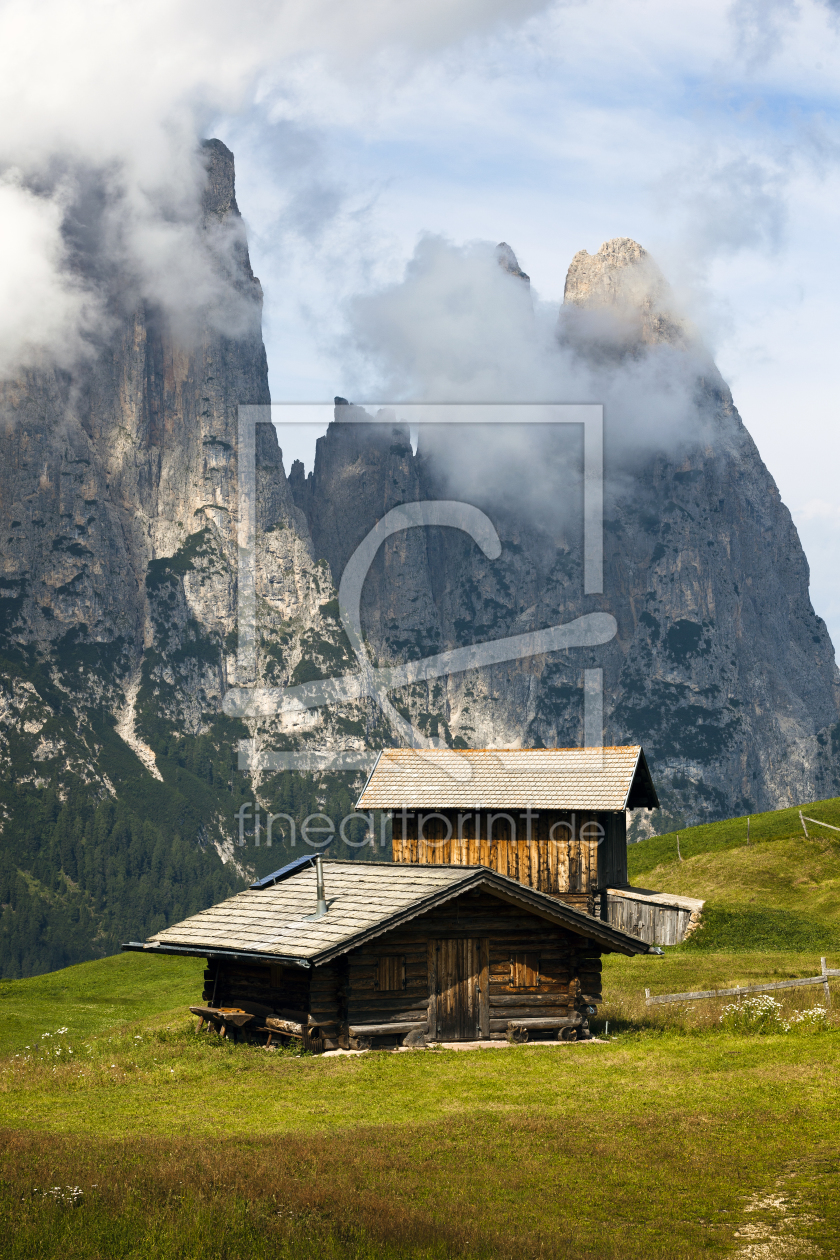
495, 1187
490, 1190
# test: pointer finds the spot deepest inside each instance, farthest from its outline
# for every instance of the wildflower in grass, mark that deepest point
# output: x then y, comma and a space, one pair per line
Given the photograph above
763, 1014
813, 1020
759, 1014
71, 1195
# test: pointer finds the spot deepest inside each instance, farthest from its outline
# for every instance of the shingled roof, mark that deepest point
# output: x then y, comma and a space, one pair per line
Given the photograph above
364, 900
510, 778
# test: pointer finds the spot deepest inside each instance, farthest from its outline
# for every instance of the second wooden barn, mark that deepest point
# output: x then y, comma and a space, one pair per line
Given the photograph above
553, 819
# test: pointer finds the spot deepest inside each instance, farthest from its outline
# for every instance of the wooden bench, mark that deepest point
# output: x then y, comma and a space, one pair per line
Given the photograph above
223, 1018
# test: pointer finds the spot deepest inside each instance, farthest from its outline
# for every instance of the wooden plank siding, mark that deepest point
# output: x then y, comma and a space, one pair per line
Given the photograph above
458, 984
459, 972
649, 921
493, 934
248, 984
571, 855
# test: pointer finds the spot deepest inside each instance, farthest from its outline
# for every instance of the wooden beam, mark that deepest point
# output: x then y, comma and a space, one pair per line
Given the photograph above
385, 1030
736, 992
484, 988
432, 957
572, 1021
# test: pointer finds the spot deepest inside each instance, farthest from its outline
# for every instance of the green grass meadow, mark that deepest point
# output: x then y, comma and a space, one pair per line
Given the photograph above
128, 1135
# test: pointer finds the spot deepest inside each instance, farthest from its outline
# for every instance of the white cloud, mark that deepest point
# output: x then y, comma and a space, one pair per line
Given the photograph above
112, 95
39, 300
459, 328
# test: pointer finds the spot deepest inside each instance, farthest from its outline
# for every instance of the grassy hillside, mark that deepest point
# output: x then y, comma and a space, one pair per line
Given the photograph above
128, 1135
92, 997
667, 1140
779, 891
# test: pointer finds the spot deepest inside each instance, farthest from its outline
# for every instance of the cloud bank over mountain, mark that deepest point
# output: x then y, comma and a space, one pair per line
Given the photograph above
101, 110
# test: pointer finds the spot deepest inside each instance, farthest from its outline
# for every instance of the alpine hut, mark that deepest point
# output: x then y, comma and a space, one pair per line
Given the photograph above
477, 930
553, 819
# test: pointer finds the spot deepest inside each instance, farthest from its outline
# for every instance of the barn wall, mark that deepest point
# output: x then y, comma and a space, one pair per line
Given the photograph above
649, 921
612, 854
571, 854
271, 987
347, 997
569, 966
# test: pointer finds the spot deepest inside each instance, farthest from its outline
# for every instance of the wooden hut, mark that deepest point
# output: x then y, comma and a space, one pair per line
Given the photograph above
395, 954
553, 819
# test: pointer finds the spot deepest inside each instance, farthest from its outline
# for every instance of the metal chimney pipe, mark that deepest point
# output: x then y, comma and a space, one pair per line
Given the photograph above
319, 879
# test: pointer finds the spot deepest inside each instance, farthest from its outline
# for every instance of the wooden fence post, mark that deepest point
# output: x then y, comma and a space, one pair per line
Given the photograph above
826, 989
804, 828
748, 828
679, 855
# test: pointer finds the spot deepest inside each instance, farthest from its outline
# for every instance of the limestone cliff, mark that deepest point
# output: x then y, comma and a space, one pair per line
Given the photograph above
119, 781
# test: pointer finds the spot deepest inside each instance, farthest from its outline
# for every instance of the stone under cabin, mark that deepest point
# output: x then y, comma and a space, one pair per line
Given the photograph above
489, 924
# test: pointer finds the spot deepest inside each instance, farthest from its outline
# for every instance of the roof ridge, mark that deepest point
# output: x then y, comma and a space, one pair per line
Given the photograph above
278, 932
425, 752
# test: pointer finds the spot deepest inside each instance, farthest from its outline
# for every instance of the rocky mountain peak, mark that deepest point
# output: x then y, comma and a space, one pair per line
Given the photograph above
219, 196
508, 262
623, 286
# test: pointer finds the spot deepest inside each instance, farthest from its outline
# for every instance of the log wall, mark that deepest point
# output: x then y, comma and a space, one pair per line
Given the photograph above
266, 988
519, 967
516, 944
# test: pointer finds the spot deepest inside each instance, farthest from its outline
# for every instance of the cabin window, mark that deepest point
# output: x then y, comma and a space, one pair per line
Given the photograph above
390, 973
524, 971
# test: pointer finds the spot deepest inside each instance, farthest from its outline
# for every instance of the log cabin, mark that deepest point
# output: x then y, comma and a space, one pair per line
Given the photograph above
398, 955
481, 928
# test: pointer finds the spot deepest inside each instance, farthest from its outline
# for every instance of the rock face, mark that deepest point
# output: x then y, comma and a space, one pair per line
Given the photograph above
623, 285
118, 506
120, 785
720, 666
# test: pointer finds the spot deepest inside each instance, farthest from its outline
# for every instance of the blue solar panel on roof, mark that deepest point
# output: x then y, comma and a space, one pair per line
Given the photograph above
277, 877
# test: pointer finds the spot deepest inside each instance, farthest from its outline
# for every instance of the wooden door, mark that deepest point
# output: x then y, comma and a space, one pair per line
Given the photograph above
458, 985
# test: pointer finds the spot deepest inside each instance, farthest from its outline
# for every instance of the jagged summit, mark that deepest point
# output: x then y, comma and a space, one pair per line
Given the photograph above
507, 260
603, 277
623, 283
219, 197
